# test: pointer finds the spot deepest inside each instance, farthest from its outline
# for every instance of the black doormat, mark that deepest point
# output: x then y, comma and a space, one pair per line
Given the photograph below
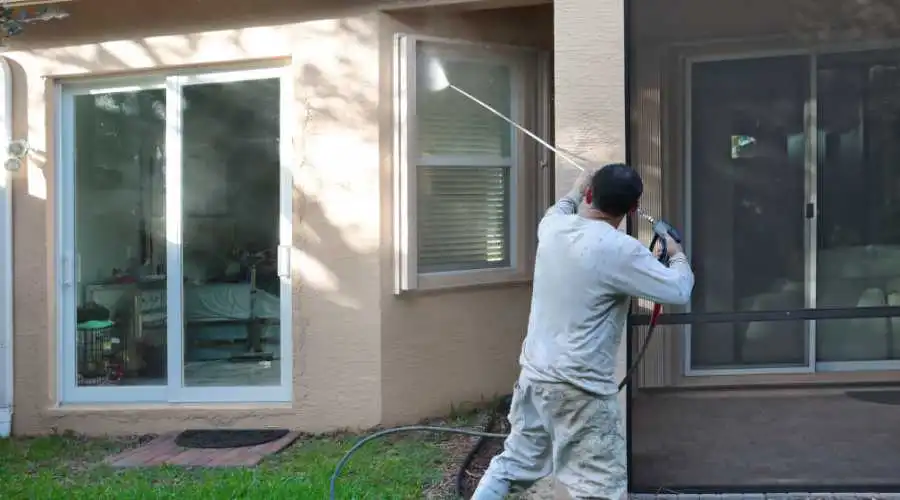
238, 438
880, 397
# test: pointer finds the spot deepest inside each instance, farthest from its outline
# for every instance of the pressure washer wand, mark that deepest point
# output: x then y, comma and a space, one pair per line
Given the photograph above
436, 80
518, 127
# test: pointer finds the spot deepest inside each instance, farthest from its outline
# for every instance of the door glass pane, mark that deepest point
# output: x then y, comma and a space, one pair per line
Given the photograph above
120, 240
231, 186
858, 257
747, 197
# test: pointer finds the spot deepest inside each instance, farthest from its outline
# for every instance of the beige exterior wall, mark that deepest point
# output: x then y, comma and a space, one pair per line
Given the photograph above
362, 356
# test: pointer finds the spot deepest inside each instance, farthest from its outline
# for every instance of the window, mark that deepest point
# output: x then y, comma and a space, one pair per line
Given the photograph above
465, 178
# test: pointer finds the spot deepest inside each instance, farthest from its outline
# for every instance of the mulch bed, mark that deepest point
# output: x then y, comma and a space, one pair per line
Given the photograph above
480, 463
458, 447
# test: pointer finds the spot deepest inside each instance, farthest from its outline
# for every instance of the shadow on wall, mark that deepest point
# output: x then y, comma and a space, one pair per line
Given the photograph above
121, 19
336, 203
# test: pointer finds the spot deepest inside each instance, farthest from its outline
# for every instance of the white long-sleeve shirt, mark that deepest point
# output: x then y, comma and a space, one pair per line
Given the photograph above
585, 273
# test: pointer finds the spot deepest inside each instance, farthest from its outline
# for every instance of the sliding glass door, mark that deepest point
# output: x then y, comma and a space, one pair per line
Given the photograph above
794, 184
747, 232
858, 178
174, 223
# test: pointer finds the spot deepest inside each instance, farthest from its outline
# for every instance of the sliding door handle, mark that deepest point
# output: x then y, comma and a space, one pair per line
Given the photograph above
67, 270
284, 262
810, 211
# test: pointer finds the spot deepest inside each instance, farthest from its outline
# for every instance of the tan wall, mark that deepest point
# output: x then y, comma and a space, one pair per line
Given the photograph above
449, 347
664, 33
337, 276
361, 356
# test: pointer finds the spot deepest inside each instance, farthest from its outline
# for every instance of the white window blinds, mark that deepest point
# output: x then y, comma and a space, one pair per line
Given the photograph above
464, 171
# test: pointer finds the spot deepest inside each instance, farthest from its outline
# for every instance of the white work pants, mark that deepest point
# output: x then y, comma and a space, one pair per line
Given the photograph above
561, 430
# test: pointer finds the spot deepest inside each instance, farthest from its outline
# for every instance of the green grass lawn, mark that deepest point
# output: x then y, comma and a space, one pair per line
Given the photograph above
70, 467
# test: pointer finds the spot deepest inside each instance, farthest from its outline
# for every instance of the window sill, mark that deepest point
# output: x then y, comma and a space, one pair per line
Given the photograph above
467, 279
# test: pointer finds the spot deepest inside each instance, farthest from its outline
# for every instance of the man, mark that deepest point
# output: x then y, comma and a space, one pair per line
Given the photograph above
565, 416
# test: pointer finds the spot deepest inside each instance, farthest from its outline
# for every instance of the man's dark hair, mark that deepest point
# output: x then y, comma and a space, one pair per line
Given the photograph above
616, 189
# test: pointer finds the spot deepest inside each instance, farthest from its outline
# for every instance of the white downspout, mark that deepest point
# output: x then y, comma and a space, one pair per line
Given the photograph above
6, 258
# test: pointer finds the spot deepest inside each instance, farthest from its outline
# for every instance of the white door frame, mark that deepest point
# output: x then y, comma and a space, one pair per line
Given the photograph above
811, 196
7, 380
174, 390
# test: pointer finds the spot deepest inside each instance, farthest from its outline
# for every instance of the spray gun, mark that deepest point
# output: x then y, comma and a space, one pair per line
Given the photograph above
661, 230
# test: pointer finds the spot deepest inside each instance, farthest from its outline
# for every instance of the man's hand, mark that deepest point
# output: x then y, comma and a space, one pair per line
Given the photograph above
582, 183
672, 247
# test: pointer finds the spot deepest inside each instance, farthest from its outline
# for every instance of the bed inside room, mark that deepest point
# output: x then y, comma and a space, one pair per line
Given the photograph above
230, 214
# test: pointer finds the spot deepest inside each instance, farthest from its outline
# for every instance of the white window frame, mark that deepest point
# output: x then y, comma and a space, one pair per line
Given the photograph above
525, 71
173, 390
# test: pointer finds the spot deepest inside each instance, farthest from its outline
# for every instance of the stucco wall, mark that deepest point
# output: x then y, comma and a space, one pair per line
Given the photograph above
458, 346
361, 356
336, 267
